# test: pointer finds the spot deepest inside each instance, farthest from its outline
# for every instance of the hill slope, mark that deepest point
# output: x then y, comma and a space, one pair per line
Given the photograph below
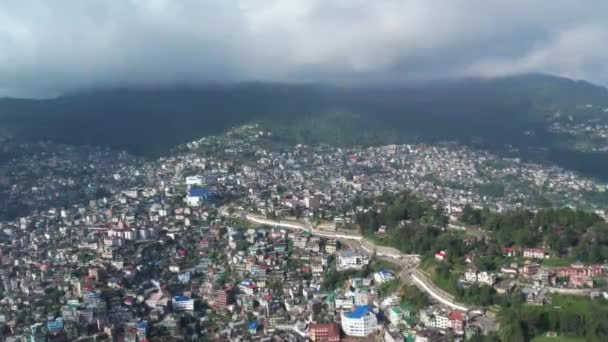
490, 112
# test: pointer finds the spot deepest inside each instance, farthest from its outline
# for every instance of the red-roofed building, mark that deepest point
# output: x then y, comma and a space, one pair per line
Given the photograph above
441, 255
510, 251
456, 321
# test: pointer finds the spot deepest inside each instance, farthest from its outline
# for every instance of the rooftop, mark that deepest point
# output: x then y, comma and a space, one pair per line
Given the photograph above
360, 311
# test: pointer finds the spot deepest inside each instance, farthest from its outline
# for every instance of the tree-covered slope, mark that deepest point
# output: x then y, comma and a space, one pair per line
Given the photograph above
491, 112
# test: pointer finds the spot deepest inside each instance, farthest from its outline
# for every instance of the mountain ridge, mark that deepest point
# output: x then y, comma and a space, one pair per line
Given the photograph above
492, 112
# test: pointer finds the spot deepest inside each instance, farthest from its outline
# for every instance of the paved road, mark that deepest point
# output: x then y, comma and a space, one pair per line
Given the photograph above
407, 262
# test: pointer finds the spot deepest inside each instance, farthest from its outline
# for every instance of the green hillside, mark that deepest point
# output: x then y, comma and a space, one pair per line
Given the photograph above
489, 113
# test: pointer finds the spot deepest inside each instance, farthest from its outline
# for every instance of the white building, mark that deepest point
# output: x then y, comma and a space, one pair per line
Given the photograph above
182, 303
472, 276
395, 315
360, 322
195, 180
351, 259
383, 276
486, 278
312, 202
441, 320
535, 253
434, 319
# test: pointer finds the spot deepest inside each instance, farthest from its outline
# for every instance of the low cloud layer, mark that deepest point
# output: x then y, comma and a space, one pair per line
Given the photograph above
50, 47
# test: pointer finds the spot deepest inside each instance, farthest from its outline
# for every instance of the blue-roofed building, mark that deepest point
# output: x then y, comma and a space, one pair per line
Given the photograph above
197, 195
182, 303
54, 325
142, 330
359, 322
253, 327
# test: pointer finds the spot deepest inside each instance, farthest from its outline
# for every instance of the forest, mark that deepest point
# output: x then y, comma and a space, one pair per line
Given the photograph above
565, 232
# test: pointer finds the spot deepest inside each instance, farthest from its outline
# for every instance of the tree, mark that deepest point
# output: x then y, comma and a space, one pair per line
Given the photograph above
511, 329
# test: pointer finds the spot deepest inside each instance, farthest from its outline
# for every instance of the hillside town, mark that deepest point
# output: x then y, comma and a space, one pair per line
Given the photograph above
119, 248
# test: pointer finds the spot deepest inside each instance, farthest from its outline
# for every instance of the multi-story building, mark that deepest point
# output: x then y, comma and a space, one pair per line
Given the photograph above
223, 297
327, 332
182, 303
312, 202
456, 322
360, 322
352, 259
330, 246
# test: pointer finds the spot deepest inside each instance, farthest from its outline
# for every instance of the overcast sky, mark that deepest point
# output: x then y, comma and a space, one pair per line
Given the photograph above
52, 46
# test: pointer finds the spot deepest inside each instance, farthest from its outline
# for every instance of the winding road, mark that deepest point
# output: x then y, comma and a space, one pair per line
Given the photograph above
408, 262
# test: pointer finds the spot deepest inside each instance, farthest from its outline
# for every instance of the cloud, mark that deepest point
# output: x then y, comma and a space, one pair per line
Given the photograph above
49, 47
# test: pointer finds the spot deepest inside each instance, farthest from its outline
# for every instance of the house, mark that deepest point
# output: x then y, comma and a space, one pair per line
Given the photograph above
470, 276
383, 276
432, 318
509, 271
456, 322
441, 255
530, 269
486, 278
509, 251
535, 253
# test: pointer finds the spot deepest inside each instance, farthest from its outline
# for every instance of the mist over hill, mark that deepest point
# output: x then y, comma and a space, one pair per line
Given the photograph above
502, 114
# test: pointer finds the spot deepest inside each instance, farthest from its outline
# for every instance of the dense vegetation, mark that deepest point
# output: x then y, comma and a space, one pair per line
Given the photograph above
565, 232
486, 112
569, 316
412, 226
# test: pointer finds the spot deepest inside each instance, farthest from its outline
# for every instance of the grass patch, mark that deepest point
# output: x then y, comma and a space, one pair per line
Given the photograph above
572, 303
558, 339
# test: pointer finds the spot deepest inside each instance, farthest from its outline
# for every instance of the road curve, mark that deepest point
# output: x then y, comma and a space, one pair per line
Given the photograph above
420, 280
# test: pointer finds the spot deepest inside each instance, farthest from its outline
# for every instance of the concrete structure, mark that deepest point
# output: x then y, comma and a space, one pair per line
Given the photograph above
328, 332
351, 259
182, 303
360, 322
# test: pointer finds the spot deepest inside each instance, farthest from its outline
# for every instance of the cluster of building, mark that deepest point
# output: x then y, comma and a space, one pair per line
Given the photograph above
116, 248
589, 132
44, 175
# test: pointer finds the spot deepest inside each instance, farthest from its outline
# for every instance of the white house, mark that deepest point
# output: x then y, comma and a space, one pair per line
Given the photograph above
472, 276
486, 278
535, 253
